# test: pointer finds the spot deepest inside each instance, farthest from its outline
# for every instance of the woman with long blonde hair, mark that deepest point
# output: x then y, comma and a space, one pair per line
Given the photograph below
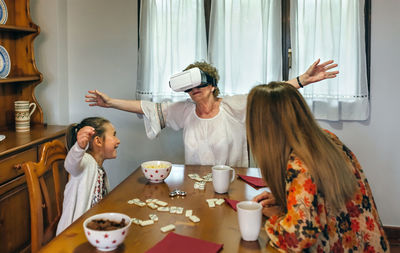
320, 200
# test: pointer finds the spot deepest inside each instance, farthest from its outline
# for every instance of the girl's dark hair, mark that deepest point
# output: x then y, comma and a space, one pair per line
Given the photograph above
96, 122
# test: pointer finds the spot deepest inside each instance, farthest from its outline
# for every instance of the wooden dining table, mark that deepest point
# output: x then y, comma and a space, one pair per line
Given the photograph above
218, 224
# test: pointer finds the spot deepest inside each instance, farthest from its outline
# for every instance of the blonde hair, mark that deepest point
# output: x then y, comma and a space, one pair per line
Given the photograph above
279, 122
209, 69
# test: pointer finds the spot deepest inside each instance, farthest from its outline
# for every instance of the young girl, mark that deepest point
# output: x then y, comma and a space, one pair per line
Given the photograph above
89, 144
321, 200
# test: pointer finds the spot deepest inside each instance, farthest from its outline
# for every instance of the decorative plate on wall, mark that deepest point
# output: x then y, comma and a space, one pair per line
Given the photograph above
5, 63
3, 12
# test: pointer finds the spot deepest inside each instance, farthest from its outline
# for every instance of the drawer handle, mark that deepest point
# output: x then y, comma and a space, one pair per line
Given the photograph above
18, 166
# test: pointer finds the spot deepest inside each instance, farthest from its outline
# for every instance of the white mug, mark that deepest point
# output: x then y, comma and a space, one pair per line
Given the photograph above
222, 178
249, 217
23, 114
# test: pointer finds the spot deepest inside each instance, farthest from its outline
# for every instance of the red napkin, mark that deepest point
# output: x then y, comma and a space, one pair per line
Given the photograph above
232, 203
256, 182
183, 244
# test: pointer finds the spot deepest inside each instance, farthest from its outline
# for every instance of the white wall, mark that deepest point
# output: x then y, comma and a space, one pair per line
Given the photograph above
51, 55
92, 44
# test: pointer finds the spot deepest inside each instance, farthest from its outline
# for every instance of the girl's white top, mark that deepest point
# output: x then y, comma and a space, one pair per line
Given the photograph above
219, 140
79, 191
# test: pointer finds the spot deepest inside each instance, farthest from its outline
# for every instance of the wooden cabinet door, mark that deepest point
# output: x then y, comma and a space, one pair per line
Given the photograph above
14, 216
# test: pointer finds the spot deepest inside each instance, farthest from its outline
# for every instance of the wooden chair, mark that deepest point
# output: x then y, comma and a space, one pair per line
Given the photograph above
46, 182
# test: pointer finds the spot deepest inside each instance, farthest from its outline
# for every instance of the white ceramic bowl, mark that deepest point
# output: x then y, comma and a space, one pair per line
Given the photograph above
156, 171
107, 240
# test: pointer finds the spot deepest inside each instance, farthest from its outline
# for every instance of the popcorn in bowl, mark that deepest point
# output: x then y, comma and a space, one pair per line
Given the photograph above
106, 231
156, 171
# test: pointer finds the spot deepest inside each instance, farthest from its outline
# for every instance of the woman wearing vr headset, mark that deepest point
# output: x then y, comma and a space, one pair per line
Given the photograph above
214, 129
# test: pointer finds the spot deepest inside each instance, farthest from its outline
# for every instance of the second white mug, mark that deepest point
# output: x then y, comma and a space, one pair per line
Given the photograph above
249, 217
223, 176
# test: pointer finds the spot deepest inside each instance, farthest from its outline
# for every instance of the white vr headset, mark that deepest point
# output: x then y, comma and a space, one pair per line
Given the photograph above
189, 79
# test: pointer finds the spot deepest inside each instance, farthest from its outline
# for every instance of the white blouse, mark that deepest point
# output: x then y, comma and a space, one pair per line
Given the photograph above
218, 140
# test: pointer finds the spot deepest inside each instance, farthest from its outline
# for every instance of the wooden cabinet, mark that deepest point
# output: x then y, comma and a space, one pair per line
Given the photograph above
17, 36
14, 198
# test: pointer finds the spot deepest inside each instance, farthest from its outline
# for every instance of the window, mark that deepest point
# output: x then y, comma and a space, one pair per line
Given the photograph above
245, 43
248, 42
332, 29
171, 36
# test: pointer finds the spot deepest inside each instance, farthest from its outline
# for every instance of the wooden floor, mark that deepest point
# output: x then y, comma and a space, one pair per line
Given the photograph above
393, 235
395, 248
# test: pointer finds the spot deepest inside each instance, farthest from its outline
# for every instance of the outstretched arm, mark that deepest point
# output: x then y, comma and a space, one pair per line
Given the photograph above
74, 157
315, 73
97, 98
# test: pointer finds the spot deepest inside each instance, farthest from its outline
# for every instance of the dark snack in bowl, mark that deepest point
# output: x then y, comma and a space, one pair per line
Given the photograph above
105, 225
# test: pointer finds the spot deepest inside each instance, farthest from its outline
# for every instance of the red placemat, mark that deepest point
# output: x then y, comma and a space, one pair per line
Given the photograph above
182, 244
256, 182
232, 203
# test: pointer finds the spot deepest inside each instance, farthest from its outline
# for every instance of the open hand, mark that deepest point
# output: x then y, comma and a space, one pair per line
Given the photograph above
96, 98
317, 72
84, 135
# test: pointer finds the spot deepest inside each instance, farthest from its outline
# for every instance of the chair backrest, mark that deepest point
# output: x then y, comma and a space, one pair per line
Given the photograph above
46, 181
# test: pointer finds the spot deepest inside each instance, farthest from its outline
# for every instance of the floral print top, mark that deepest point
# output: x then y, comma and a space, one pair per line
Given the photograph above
311, 226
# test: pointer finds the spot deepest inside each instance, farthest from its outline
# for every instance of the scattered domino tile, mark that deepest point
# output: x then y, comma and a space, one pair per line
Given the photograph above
194, 218
179, 210
206, 178
161, 203
136, 221
152, 205
219, 202
146, 223
137, 202
210, 203
188, 213
172, 209
153, 217
149, 200
163, 209
168, 228
141, 204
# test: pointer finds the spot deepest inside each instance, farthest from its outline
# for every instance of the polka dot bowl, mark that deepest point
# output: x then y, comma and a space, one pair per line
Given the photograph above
107, 240
156, 171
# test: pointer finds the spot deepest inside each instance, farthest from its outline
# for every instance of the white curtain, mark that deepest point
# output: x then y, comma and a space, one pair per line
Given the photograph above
332, 29
172, 35
245, 43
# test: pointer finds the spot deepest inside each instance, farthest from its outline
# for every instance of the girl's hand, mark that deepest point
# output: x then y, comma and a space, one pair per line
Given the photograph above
265, 199
96, 98
84, 135
317, 72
